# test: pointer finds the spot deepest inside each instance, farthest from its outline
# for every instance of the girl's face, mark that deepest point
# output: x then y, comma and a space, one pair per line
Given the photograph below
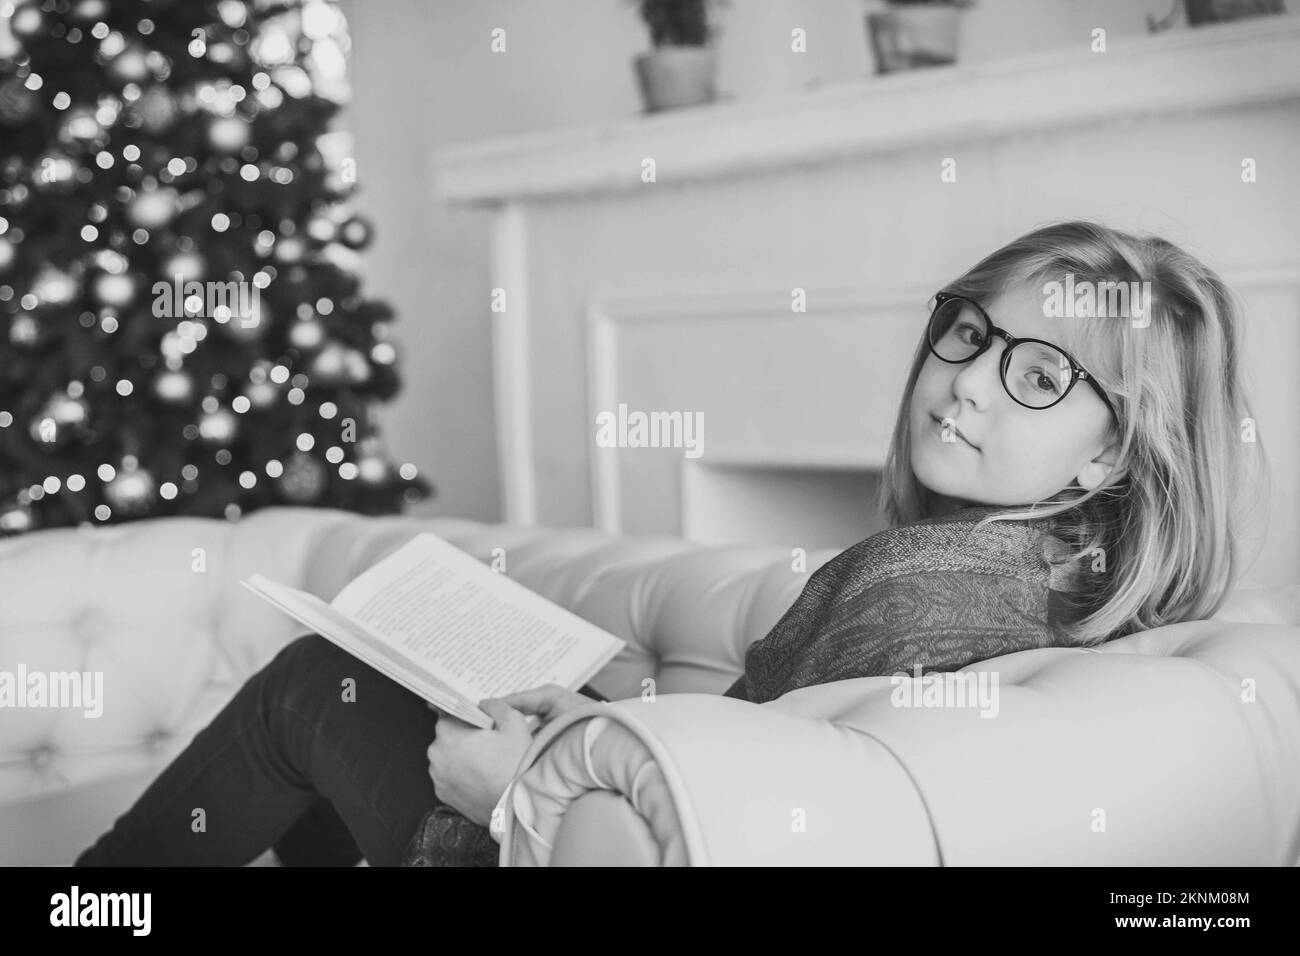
1011, 455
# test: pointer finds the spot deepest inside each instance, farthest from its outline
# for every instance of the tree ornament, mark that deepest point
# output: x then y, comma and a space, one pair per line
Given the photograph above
218, 427
131, 491
306, 334
10, 48
329, 366
261, 395
23, 330
114, 290
322, 227
54, 171
88, 11
356, 368
153, 208
273, 46
63, 418
187, 265
356, 232
55, 287
340, 257
303, 479
15, 519
372, 469
248, 325
233, 13
129, 66
157, 109
19, 194
70, 411
174, 386
225, 53
28, 22
228, 134
290, 249
17, 103
80, 127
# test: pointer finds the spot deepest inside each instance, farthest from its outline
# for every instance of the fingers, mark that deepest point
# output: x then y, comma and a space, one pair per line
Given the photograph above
504, 716
535, 700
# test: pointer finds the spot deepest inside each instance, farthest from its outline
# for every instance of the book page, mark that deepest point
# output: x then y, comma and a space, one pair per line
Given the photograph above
477, 629
334, 626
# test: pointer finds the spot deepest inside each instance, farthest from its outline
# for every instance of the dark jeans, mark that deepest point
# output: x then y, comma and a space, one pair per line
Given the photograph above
290, 763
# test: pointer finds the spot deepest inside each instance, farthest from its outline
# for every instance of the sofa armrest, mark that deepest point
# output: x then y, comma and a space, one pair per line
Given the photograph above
698, 779
1174, 746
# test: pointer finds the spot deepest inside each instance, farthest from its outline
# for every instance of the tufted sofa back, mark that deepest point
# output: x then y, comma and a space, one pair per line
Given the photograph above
157, 608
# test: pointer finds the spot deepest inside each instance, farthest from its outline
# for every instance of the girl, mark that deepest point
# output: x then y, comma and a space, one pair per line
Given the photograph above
1112, 440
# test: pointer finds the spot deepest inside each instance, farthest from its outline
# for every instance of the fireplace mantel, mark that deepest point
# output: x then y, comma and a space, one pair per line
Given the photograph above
1192, 70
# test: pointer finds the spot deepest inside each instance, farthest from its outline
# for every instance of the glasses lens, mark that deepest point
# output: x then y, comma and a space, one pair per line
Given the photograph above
957, 330
1037, 374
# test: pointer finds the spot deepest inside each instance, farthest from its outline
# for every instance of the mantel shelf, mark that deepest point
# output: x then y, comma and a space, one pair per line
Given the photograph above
1196, 69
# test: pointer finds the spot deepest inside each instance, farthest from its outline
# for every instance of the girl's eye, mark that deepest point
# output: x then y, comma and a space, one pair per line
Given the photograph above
1041, 381
965, 327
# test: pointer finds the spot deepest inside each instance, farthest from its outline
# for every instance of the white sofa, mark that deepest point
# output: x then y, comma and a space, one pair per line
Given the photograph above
1146, 751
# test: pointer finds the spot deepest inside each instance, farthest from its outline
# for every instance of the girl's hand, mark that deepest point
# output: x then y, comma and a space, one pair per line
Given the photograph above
470, 767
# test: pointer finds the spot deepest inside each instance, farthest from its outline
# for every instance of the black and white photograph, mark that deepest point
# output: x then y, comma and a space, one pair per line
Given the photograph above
650, 433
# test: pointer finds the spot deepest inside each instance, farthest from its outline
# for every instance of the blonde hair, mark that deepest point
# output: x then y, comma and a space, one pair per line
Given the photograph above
1169, 516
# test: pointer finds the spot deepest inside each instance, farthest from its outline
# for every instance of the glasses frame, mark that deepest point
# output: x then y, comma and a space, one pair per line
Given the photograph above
1077, 371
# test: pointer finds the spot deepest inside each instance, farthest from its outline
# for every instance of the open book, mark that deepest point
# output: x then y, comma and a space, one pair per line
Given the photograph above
448, 628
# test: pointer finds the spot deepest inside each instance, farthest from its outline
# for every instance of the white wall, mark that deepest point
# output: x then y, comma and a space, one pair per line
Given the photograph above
422, 76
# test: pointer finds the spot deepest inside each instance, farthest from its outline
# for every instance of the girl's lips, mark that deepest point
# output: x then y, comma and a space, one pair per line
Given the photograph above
956, 431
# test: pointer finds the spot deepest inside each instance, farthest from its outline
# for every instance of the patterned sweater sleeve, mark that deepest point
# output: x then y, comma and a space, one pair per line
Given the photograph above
931, 620
934, 620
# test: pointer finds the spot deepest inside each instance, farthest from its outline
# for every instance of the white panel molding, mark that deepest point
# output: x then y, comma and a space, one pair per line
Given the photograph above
1177, 73
608, 316
512, 379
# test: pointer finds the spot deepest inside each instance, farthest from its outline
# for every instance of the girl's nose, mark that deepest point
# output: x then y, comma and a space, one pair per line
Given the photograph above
978, 379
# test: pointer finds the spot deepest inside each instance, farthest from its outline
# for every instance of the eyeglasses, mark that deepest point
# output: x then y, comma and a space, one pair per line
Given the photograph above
1036, 374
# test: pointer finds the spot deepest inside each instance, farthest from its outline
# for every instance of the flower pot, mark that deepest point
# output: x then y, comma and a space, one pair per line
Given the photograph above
1218, 11
677, 76
911, 36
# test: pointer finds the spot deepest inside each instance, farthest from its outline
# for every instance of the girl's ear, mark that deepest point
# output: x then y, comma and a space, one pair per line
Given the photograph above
1097, 470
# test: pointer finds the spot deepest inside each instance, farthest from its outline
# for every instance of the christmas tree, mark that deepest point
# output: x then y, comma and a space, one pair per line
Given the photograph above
182, 329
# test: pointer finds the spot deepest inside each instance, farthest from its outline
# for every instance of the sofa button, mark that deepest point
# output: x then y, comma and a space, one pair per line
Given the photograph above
156, 740
42, 757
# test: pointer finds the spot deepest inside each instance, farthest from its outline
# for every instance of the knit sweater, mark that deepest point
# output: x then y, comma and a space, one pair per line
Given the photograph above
939, 593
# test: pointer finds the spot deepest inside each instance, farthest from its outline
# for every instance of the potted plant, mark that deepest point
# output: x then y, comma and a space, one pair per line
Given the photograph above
681, 70
915, 33
1218, 11
1201, 12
